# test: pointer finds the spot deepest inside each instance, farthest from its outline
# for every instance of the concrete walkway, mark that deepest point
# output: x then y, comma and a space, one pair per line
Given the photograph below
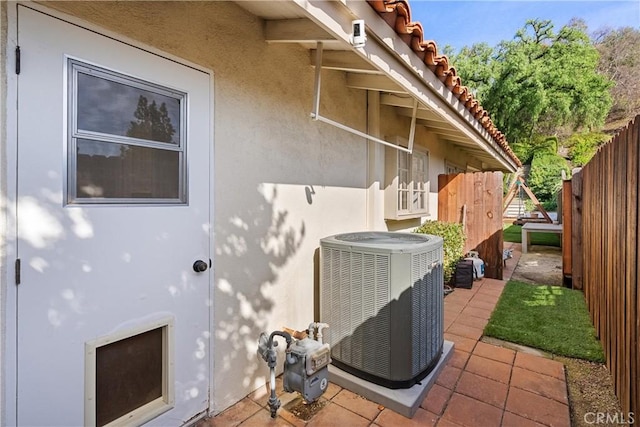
482, 385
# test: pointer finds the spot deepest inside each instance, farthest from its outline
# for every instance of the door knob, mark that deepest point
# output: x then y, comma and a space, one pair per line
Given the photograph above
199, 266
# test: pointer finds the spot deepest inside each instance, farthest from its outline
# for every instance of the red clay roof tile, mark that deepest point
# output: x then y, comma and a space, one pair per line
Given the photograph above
397, 14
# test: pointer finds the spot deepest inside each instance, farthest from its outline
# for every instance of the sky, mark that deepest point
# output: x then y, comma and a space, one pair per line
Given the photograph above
463, 23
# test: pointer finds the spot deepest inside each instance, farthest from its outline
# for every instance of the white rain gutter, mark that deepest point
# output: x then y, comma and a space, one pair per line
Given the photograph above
315, 114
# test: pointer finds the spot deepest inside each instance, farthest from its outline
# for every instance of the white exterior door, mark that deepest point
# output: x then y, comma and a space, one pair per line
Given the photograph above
113, 210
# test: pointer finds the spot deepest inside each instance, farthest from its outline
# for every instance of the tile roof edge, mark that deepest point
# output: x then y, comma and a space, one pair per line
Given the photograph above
397, 14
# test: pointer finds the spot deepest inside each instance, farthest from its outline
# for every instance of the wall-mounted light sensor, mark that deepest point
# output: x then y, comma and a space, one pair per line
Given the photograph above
358, 37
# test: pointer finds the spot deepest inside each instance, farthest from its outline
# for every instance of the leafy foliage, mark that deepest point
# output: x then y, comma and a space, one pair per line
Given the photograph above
540, 82
454, 238
545, 177
582, 146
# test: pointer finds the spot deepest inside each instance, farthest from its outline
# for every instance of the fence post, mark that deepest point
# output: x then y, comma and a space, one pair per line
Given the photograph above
577, 273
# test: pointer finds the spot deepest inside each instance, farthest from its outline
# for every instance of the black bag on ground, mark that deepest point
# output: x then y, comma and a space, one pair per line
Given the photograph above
464, 274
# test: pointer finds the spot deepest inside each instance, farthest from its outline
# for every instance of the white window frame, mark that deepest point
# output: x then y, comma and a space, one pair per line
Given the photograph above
402, 189
451, 168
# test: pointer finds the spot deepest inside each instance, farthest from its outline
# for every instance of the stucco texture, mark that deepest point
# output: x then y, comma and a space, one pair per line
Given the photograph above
281, 180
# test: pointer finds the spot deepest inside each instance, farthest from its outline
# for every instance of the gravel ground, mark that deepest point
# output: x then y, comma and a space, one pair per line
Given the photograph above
590, 391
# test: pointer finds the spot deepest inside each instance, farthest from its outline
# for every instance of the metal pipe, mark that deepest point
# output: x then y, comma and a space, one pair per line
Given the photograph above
357, 132
316, 89
274, 402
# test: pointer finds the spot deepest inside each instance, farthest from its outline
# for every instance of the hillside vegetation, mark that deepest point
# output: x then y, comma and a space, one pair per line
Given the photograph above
557, 95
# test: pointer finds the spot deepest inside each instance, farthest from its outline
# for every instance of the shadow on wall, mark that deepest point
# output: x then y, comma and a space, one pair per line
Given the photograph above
250, 249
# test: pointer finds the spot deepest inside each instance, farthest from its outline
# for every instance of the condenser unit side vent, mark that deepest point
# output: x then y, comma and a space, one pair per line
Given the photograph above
382, 294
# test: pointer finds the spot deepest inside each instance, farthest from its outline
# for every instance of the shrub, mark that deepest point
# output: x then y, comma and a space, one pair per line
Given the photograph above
453, 246
582, 146
545, 177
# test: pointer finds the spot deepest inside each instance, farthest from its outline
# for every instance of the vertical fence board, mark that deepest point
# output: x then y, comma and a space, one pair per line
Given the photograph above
605, 241
567, 224
481, 193
576, 231
632, 303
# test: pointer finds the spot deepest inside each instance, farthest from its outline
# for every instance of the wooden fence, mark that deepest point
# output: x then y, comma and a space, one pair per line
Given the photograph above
605, 249
475, 199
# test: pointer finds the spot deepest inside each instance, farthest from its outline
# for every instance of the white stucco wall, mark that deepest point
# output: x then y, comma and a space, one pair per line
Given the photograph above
440, 152
281, 181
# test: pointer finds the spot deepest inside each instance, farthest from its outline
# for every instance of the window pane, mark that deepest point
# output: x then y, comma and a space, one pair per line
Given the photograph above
122, 171
418, 200
403, 160
119, 109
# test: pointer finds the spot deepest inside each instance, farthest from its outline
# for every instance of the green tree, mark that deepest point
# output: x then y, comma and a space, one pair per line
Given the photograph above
541, 82
545, 176
152, 123
476, 66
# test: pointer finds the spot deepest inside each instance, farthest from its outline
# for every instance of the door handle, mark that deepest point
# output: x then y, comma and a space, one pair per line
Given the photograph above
199, 266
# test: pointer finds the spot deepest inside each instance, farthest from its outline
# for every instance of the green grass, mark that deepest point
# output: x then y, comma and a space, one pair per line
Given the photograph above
550, 318
513, 233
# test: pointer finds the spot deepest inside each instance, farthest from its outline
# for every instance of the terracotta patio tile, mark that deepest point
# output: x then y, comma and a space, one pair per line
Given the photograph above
262, 394
459, 358
485, 305
490, 292
263, 418
464, 292
331, 391
446, 423
477, 312
493, 352
513, 420
357, 404
450, 315
491, 299
290, 418
540, 364
474, 322
469, 412
448, 321
461, 343
235, 414
456, 300
494, 283
449, 377
465, 331
541, 384
336, 415
436, 399
483, 389
454, 307
537, 408
388, 418
488, 368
